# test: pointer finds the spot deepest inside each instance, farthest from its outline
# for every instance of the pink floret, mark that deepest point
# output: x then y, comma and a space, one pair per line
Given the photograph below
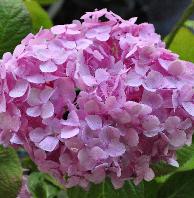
96, 99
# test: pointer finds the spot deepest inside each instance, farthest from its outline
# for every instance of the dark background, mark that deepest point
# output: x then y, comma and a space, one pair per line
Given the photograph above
162, 13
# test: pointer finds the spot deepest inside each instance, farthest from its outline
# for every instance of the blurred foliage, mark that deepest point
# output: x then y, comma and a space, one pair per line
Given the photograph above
10, 173
15, 24
43, 186
46, 2
39, 16
178, 185
183, 43
105, 190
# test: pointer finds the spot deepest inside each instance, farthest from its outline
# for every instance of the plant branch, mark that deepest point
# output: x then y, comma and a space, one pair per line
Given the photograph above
185, 16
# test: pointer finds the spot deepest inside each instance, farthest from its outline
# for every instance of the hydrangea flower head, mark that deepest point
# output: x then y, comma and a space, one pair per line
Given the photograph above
96, 99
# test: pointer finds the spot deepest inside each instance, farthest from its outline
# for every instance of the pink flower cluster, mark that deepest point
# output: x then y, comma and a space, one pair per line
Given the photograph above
98, 98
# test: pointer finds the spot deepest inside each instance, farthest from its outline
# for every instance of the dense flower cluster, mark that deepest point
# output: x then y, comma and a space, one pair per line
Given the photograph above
98, 98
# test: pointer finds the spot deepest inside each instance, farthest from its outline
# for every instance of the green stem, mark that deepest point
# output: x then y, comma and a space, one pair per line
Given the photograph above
185, 16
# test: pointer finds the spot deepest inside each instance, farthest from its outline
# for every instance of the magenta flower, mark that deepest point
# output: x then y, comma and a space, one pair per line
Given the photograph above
94, 99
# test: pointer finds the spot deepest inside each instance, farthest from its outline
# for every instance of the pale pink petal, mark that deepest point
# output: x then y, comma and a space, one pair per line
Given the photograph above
69, 44
102, 37
42, 54
115, 149
33, 111
47, 110
173, 162
89, 80
69, 132
34, 97
176, 68
178, 138
149, 174
172, 123
58, 29
83, 43
49, 143
15, 139
189, 107
132, 137
72, 120
37, 134
154, 80
94, 122
48, 66
2, 103
97, 153
19, 89
46, 94
101, 75
133, 79
150, 122
37, 78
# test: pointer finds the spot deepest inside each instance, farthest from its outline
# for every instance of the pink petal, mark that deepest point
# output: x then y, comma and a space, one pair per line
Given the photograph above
58, 29
176, 68
69, 132
72, 120
49, 143
150, 122
19, 89
34, 98
151, 99
172, 123
18, 50
115, 149
178, 138
97, 153
2, 103
94, 122
42, 54
33, 111
37, 134
132, 137
101, 75
173, 162
133, 79
189, 107
149, 174
46, 94
15, 139
83, 43
102, 37
69, 44
89, 80
154, 80
47, 110
85, 159
98, 55
48, 66
37, 79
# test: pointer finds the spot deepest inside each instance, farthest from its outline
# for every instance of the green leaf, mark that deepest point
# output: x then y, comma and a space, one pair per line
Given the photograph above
10, 173
105, 190
190, 24
162, 168
42, 185
46, 2
184, 156
39, 16
183, 43
179, 185
15, 24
